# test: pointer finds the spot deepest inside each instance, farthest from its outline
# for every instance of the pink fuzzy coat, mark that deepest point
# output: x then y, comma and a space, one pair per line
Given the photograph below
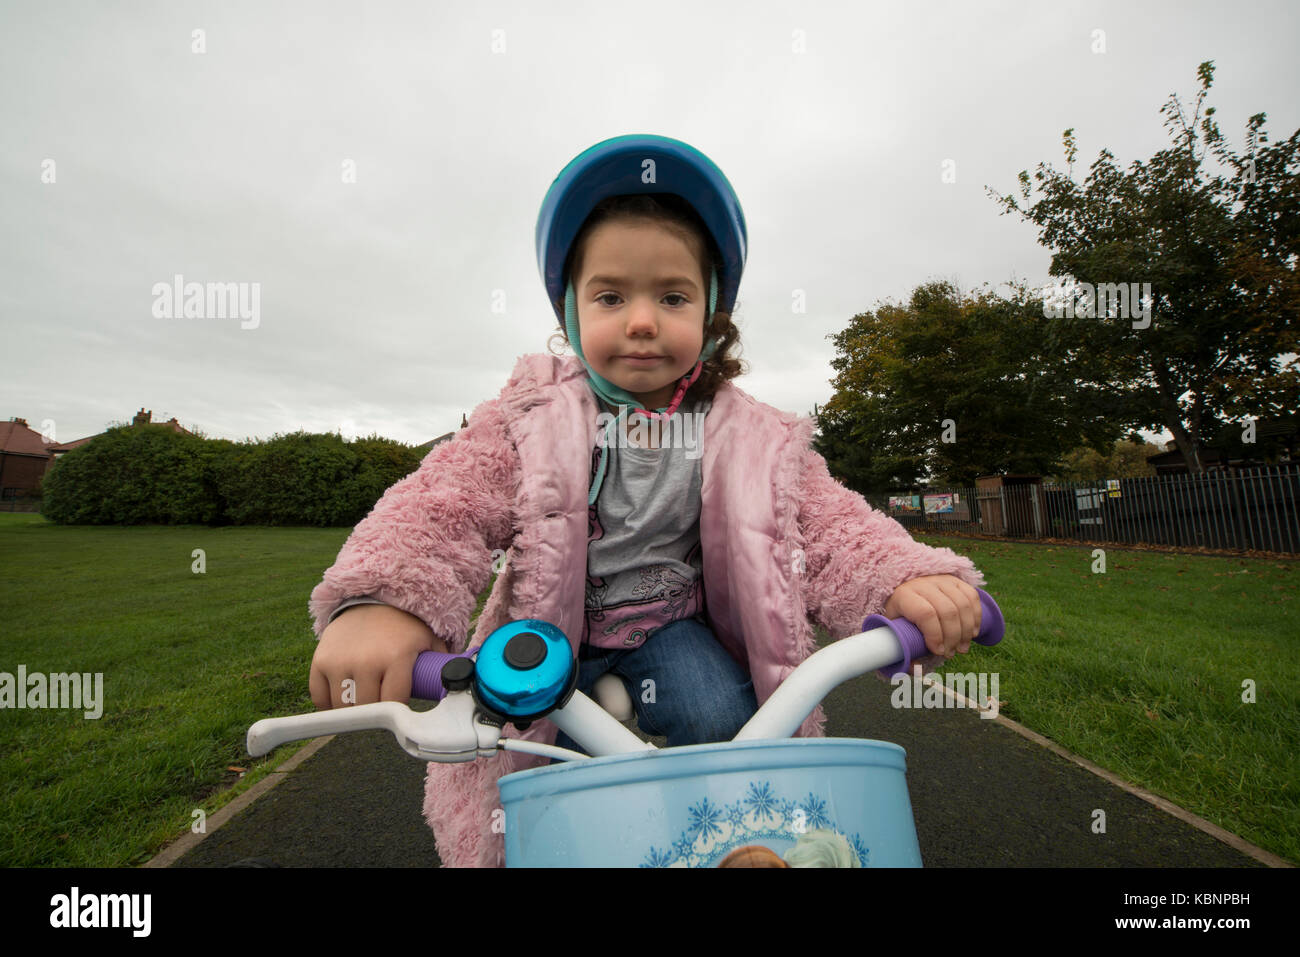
782, 543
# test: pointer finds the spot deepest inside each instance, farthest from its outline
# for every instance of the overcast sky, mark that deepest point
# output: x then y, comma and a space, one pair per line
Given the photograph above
376, 297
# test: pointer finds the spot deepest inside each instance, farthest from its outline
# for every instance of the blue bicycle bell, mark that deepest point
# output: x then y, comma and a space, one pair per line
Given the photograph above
524, 670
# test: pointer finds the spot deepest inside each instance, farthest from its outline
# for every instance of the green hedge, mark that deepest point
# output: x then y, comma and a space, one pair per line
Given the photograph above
135, 476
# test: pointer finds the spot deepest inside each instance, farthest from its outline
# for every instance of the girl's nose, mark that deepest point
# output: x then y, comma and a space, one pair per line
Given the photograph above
641, 317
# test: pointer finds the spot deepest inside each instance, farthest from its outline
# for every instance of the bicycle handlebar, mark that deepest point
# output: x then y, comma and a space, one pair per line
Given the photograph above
426, 676
459, 730
992, 628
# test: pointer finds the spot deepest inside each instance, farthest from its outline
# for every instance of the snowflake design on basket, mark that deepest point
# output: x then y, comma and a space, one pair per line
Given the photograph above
681, 848
705, 818
715, 830
814, 809
736, 815
861, 850
657, 858
761, 800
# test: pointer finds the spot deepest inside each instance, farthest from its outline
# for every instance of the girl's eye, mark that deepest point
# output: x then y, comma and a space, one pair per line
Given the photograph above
672, 295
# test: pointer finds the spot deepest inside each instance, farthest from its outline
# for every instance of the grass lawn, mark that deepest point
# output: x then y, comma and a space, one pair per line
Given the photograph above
1143, 669
1139, 670
188, 660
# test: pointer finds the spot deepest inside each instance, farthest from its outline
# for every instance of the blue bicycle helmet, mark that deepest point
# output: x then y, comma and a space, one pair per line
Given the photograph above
618, 167
632, 165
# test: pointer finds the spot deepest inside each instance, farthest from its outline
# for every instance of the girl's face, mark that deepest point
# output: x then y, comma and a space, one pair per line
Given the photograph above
640, 293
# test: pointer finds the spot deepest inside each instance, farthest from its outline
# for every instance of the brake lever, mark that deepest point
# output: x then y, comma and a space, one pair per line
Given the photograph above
453, 731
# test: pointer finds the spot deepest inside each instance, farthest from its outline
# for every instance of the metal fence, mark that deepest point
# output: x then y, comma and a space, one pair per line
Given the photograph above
1251, 508
20, 505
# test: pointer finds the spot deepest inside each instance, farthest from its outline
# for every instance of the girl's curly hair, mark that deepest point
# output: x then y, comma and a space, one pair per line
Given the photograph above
673, 213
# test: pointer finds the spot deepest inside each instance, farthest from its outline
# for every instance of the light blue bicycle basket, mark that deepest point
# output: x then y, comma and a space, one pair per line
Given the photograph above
692, 806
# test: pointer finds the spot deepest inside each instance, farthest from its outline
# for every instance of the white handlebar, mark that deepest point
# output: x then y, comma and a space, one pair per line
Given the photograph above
455, 730
595, 728
815, 678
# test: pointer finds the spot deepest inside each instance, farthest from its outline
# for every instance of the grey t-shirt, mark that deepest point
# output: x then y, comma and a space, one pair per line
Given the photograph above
644, 567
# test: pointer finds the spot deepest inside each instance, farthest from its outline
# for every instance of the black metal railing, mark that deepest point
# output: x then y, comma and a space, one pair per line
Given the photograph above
1255, 508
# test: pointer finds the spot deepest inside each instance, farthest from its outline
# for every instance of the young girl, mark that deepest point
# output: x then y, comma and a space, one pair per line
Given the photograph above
681, 533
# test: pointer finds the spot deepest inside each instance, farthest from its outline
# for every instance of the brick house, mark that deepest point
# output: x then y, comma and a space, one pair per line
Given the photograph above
24, 458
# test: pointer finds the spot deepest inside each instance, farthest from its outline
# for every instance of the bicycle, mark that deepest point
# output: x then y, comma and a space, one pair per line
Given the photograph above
630, 803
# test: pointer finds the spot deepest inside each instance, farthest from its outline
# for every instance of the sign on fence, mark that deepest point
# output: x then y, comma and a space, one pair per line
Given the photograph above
935, 504
1088, 500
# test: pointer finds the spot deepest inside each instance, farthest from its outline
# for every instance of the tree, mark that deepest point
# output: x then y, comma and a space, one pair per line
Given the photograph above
1125, 458
1215, 336
951, 387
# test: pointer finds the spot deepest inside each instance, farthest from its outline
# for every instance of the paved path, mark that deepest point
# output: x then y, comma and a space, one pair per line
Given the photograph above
982, 795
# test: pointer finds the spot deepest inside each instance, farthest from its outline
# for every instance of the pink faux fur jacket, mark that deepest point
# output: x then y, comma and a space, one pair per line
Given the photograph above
782, 543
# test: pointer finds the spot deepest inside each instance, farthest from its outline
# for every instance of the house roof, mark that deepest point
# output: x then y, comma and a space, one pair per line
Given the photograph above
17, 438
432, 442
66, 446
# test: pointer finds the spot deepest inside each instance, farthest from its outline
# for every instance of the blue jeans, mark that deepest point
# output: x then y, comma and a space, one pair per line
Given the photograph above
684, 686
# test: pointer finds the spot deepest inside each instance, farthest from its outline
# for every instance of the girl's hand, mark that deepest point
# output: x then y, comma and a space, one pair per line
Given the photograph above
374, 647
944, 607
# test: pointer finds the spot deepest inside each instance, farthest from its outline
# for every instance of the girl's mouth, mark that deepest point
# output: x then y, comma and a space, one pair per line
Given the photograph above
642, 362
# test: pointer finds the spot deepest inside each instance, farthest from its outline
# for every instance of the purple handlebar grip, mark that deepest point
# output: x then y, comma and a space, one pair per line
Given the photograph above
426, 678
992, 628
